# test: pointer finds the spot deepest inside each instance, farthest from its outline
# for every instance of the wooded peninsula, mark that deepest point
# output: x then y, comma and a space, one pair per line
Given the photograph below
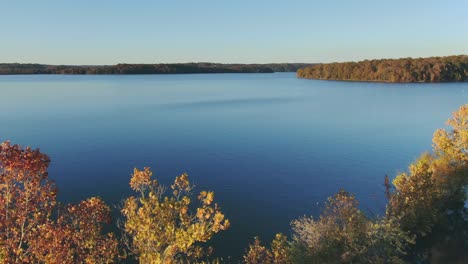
173, 68
433, 69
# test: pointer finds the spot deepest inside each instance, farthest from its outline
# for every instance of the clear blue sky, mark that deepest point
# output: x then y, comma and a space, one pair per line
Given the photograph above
249, 31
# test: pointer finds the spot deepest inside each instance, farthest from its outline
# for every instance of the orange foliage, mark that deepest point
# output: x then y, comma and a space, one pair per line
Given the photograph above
76, 236
27, 198
278, 253
29, 233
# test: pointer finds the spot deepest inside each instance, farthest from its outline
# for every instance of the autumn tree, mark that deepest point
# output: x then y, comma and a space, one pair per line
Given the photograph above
450, 166
278, 253
434, 69
32, 229
337, 235
435, 181
416, 201
76, 235
161, 228
429, 200
343, 234
27, 199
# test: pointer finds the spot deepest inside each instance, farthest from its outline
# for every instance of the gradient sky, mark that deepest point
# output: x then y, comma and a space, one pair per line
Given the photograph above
246, 31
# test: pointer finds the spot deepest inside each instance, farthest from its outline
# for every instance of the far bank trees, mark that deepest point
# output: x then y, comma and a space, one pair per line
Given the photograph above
434, 69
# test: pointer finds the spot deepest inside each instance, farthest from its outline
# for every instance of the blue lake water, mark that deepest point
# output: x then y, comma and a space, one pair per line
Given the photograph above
271, 146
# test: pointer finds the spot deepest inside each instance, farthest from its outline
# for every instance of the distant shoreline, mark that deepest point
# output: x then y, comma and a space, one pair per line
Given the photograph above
405, 70
134, 69
375, 81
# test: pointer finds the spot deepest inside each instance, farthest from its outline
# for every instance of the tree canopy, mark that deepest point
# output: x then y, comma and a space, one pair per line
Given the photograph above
160, 228
433, 69
34, 228
169, 68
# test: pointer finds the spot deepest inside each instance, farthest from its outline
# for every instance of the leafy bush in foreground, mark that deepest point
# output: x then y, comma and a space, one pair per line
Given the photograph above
161, 229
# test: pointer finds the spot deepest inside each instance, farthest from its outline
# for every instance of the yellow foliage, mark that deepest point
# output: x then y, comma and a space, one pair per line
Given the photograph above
399, 181
454, 144
278, 253
141, 179
161, 228
434, 179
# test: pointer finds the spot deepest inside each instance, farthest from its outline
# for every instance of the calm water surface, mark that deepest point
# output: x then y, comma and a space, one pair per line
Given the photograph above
271, 146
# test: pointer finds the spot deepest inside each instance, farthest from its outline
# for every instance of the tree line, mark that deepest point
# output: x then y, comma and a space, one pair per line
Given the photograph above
174, 68
433, 69
425, 219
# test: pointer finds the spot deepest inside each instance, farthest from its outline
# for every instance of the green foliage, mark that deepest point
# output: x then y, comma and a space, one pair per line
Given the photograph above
434, 69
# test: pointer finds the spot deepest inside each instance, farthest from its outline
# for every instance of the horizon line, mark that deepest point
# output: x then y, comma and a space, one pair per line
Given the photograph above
232, 63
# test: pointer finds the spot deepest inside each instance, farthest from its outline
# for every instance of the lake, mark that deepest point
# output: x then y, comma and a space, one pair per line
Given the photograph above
271, 146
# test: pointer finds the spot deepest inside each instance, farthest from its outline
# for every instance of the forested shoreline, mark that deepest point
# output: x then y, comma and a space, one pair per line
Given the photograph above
433, 69
172, 68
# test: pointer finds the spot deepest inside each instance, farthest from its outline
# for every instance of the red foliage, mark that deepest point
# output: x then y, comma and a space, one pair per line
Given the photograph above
28, 232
